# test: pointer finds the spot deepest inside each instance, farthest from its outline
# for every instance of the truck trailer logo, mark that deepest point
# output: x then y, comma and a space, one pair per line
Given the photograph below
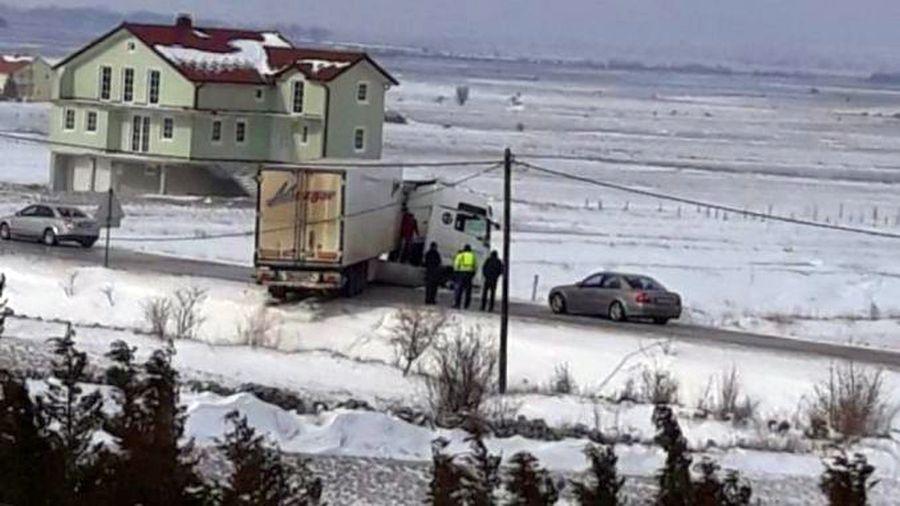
288, 193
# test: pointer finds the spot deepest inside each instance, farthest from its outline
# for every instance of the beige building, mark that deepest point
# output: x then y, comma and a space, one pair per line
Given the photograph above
27, 78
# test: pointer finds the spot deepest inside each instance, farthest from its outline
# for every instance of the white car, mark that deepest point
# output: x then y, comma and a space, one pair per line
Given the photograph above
50, 224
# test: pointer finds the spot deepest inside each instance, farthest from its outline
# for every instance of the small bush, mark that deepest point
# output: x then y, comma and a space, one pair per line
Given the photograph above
725, 400
157, 314
68, 284
658, 386
413, 332
851, 402
709, 490
259, 329
4, 308
562, 381
462, 375
462, 94
602, 484
186, 311
846, 482
110, 292
520, 127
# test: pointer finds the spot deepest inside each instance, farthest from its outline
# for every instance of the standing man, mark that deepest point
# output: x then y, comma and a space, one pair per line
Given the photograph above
492, 270
432, 274
409, 230
464, 267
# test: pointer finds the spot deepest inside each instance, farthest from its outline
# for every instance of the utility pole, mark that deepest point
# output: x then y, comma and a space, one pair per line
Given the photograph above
504, 303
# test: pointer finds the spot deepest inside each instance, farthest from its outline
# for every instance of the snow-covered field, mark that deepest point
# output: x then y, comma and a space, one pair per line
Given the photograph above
340, 350
822, 148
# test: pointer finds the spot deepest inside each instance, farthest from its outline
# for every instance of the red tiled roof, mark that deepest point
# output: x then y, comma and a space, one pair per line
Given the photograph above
213, 55
10, 64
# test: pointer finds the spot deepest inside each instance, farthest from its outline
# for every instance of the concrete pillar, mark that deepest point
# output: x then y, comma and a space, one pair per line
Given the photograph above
163, 169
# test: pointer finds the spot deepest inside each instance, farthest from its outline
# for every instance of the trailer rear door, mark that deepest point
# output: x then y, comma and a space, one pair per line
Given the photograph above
321, 206
276, 231
300, 216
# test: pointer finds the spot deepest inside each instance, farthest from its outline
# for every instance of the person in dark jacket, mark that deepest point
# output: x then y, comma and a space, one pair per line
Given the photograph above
491, 271
432, 274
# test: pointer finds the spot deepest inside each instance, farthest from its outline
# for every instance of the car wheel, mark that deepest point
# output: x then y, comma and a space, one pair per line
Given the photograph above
558, 303
89, 242
4, 232
617, 312
49, 238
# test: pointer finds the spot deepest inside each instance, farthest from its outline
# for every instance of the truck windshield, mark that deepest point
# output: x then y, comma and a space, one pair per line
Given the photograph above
475, 226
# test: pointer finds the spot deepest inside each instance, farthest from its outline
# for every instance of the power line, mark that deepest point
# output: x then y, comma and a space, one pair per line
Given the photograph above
363, 212
274, 163
711, 205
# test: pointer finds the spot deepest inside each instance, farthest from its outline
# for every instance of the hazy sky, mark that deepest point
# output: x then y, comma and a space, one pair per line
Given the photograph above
728, 29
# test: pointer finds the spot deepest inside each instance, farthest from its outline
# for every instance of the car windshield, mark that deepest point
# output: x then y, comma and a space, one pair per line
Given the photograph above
643, 283
70, 212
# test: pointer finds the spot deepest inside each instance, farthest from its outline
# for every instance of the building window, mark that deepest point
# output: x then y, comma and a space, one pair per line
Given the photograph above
359, 139
259, 94
298, 97
140, 134
128, 85
90, 121
105, 83
69, 119
217, 131
153, 87
304, 135
168, 128
362, 93
131, 46
240, 132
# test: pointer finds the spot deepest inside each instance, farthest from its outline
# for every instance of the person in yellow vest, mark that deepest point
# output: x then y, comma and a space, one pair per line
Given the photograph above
464, 267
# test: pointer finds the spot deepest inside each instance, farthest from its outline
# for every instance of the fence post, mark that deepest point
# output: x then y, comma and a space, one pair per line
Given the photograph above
534, 288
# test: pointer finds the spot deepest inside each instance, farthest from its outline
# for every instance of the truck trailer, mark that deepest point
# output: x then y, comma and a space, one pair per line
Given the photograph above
336, 229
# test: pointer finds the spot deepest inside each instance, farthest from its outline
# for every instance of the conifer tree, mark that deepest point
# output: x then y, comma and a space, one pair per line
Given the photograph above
444, 488
529, 485
74, 417
26, 458
260, 477
675, 488
480, 474
845, 482
168, 476
603, 485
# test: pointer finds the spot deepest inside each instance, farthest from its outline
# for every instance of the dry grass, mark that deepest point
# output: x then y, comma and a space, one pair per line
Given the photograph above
562, 381
851, 402
657, 386
260, 329
724, 398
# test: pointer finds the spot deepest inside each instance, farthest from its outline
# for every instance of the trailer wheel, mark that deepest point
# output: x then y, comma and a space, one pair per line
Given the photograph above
278, 292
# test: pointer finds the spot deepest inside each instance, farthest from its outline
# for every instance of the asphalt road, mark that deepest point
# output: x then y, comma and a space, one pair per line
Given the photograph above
386, 295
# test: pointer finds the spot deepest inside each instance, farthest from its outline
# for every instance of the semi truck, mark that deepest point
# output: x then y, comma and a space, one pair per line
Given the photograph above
335, 229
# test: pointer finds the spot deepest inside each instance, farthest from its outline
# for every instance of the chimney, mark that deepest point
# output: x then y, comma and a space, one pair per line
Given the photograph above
183, 21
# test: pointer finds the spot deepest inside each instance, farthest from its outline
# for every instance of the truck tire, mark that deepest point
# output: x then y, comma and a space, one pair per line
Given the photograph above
356, 278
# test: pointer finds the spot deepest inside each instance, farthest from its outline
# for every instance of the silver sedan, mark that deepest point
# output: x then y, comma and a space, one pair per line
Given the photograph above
50, 224
619, 296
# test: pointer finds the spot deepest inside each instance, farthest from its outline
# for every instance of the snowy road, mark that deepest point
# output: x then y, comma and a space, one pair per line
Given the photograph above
379, 296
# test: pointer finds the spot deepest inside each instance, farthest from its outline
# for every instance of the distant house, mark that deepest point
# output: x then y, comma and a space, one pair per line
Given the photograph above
28, 78
179, 109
